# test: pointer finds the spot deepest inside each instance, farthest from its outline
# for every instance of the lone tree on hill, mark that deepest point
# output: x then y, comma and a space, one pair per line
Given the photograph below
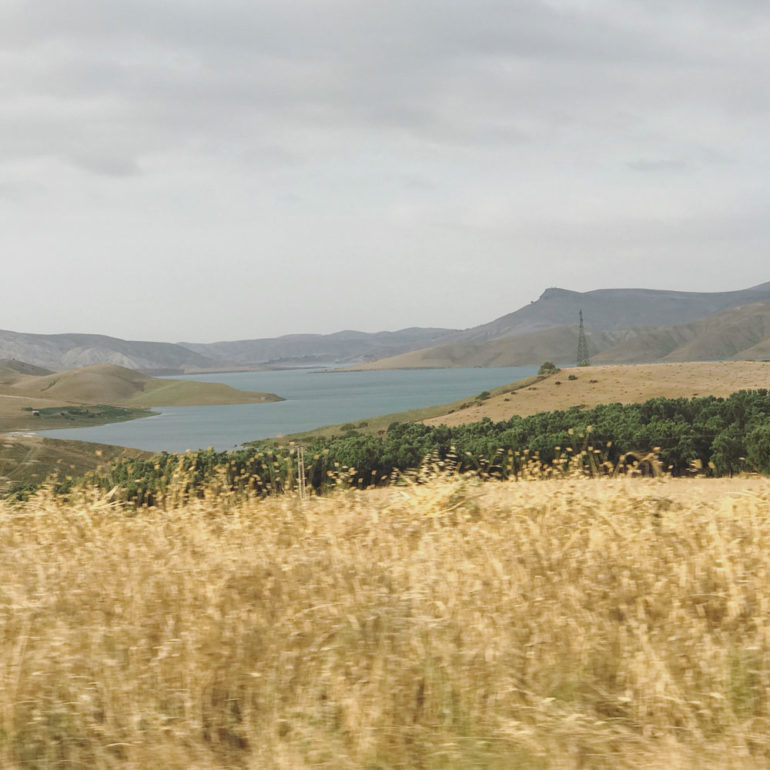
548, 367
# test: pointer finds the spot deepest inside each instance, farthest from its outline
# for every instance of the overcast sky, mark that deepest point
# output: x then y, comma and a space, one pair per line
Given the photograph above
197, 170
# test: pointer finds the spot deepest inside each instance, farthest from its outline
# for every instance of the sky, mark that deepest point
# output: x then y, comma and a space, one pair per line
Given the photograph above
186, 170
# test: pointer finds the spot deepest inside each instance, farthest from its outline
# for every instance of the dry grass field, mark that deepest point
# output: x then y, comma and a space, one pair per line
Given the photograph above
624, 383
579, 623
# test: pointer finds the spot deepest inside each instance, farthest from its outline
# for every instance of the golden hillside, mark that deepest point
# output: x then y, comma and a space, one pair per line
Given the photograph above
613, 383
111, 384
108, 384
12, 370
99, 384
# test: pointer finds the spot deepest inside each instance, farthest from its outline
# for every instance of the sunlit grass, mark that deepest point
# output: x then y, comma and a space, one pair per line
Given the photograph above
531, 624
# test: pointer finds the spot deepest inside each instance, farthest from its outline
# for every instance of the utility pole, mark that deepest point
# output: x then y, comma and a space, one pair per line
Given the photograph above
301, 471
582, 350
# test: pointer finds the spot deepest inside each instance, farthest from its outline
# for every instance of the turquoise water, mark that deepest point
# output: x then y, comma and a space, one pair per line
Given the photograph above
313, 399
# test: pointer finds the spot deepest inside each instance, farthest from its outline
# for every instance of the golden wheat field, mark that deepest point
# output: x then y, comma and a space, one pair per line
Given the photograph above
535, 624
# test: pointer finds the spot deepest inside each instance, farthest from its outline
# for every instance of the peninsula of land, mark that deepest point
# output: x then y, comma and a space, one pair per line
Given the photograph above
33, 398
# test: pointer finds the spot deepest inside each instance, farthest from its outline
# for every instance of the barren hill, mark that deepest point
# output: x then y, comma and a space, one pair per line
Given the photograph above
739, 333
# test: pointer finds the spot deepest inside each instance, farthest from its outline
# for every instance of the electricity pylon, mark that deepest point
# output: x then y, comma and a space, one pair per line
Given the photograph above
582, 351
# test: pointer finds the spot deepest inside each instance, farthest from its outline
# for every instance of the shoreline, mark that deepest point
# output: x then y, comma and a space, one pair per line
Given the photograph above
73, 420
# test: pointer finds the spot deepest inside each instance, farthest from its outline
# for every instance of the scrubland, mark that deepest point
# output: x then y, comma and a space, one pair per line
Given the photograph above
574, 623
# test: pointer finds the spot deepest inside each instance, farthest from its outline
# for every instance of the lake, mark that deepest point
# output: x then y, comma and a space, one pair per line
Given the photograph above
313, 399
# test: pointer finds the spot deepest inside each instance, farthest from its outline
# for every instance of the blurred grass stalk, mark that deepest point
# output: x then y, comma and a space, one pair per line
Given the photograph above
533, 624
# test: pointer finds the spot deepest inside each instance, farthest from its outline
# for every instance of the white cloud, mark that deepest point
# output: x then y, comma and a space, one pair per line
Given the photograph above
378, 148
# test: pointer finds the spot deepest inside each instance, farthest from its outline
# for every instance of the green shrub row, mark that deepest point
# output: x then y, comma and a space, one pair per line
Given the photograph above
722, 436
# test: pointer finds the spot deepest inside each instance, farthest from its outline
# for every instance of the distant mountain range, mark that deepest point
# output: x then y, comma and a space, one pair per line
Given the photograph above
612, 309
632, 325
312, 349
72, 351
622, 326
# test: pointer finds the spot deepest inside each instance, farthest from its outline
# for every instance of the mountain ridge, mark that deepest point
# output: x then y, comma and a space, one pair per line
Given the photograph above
75, 350
306, 349
606, 309
545, 329
738, 333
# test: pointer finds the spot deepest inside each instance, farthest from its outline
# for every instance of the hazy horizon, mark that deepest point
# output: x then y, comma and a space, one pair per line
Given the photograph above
200, 172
